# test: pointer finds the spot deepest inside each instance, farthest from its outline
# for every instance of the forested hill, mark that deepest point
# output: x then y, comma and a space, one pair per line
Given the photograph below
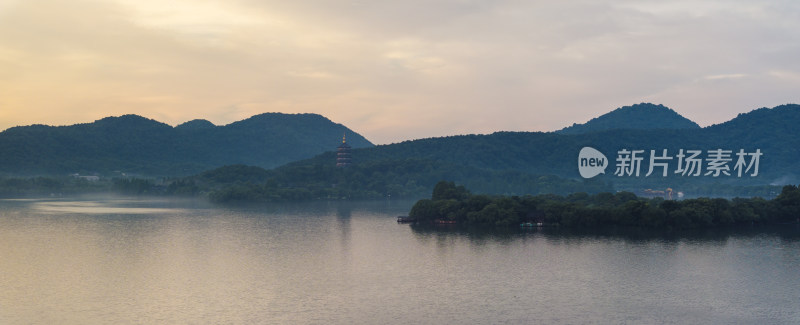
640, 116
773, 131
136, 145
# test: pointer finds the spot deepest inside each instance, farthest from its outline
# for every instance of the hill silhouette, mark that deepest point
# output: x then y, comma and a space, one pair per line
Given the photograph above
772, 131
639, 116
503, 162
196, 124
133, 144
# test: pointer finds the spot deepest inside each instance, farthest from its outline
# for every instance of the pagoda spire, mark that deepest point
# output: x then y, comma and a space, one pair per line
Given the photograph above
343, 157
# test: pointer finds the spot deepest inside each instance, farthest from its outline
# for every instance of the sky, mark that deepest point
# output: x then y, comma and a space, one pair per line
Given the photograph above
394, 70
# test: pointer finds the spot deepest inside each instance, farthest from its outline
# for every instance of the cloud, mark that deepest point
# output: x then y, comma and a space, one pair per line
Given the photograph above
394, 70
726, 76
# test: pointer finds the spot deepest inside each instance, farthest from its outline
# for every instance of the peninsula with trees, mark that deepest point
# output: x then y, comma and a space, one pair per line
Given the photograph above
454, 204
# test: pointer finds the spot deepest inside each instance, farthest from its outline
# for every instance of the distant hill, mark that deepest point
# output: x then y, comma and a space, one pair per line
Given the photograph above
302, 145
643, 116
133, 144
773, 131
196, 124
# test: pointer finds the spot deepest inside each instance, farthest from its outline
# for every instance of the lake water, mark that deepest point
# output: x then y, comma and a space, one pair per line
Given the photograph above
152, 261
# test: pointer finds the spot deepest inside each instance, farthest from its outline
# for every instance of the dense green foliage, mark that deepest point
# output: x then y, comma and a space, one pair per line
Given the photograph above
773, 131
409, 178
137, 145
455, 203
640, 116
512, 163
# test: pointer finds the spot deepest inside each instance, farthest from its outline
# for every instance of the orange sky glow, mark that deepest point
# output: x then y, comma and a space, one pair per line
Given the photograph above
394, 70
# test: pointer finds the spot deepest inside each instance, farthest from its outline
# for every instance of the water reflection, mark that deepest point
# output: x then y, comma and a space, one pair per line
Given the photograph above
711, 236
351, 263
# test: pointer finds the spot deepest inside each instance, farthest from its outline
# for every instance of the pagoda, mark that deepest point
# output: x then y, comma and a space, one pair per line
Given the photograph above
343, 157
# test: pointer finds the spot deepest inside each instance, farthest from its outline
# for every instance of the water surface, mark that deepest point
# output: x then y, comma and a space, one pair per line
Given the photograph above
127, 260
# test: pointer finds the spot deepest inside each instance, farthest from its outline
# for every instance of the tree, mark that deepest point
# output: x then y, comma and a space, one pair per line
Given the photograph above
787, 204
445, 190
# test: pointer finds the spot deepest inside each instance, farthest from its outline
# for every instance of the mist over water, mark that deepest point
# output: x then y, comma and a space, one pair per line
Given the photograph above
127, 260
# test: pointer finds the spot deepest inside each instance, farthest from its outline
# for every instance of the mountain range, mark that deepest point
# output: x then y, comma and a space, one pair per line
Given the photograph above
133, 144
771, 131
644, 116
304, 146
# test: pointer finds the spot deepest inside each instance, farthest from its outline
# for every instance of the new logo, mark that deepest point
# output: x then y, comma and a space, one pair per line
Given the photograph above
591, 162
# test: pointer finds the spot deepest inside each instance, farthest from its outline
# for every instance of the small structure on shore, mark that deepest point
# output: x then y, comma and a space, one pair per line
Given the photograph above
406, 219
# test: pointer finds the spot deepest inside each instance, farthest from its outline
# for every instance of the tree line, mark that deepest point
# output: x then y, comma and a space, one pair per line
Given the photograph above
454, 203
404, 179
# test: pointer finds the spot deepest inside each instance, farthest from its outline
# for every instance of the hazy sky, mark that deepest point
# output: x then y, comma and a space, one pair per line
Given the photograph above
394, 70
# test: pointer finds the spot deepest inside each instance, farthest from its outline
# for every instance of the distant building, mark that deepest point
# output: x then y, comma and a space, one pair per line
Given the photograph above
89, 178
343, 156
